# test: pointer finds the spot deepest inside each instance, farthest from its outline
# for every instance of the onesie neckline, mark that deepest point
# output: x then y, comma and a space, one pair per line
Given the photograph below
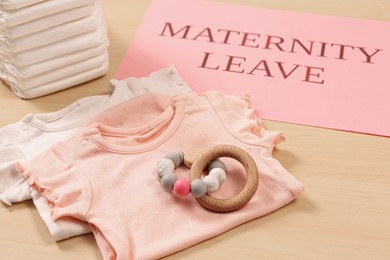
169, 120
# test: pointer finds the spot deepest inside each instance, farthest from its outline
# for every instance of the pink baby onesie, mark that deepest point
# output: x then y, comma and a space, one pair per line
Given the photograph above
105, 175
33, 134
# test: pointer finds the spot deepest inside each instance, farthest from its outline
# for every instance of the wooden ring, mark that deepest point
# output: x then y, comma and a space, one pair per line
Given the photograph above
246, 194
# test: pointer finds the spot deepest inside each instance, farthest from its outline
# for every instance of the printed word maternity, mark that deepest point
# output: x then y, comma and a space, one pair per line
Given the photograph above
261, 46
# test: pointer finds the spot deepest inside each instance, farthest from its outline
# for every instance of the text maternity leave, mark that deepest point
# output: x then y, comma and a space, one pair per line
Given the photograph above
238, 64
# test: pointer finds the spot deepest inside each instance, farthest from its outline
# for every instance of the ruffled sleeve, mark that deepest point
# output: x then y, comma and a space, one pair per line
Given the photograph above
61, 182
238, 117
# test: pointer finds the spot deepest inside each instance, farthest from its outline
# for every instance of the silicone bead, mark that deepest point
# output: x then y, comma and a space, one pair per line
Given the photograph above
174, 157
211, 182
166, 163
219, 173
198, 188
162, 171
168, 180
216, 163
182, 187
181, 156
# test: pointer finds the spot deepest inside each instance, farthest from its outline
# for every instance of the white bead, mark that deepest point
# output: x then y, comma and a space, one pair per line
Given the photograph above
219, 173
211, 182
166, 164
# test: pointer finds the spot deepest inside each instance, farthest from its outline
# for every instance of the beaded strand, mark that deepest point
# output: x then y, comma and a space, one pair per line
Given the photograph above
182, 187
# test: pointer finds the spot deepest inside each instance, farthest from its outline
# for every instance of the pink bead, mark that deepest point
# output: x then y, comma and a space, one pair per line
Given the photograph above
182, 187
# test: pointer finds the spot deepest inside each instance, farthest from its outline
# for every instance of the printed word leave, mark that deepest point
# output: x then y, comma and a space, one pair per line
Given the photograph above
237, 64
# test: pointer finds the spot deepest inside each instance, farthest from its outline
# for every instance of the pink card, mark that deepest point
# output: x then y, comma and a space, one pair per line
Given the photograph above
324, 71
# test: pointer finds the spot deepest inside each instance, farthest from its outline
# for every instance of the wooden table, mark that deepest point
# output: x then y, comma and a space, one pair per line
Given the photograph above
344, 212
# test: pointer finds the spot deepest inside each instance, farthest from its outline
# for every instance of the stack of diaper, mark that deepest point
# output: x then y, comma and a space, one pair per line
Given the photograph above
47, 46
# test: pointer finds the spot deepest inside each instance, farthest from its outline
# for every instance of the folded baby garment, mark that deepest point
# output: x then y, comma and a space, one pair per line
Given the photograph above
47, 21
106, 175
34, 133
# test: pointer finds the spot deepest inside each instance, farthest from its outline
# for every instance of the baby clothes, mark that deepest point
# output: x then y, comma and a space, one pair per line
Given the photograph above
33, 134
47, 31
105, 176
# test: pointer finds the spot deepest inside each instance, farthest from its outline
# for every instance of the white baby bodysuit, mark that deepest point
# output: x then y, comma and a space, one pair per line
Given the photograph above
33, 134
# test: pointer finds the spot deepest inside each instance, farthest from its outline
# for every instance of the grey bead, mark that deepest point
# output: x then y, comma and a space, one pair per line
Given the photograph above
168, 180
198, 188
181, 155
162, 171
217, 163
174, 157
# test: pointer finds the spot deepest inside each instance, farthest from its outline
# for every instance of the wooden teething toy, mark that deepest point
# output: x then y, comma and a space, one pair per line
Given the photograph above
252, 182
198, 187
